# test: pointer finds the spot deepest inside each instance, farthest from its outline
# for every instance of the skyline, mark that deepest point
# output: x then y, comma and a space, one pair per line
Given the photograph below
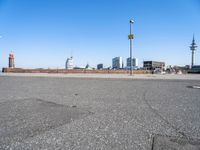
44, 34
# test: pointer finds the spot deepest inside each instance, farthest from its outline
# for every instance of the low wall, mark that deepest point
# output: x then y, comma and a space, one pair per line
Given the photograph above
194, 71
65, 71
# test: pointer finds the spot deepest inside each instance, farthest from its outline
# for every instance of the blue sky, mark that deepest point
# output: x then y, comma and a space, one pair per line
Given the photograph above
43, 33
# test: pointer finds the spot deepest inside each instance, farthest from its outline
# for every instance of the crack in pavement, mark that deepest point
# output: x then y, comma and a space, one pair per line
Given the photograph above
154, 111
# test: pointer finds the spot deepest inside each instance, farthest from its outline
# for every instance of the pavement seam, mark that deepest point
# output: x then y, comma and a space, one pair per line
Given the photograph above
161, 117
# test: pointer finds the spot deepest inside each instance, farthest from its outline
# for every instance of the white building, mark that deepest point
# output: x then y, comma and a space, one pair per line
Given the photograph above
117, 63
134, 63
69, 63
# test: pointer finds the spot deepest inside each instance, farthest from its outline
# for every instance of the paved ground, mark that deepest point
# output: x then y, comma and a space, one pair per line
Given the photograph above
90, 113
111, 76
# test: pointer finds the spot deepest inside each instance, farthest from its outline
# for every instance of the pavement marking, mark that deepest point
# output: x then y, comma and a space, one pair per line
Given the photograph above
176, 143
194, 87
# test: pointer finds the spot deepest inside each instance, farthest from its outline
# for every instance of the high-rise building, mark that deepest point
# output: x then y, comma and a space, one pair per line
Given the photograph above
69, 63
100, 66
117, 63
193, 49
11, 63
134, 63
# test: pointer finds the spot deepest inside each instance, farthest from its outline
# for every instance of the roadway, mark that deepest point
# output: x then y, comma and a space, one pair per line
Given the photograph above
98, 113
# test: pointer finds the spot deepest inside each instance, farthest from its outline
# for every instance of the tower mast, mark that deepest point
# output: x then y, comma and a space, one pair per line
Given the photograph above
193, 49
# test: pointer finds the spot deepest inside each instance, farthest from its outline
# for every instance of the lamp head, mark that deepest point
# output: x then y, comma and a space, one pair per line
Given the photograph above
131, 21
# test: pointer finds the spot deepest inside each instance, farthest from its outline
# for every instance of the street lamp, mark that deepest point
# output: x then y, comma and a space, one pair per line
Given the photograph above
130, 37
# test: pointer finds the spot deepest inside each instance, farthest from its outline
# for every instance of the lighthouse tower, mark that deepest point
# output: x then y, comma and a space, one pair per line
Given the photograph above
193, 49
11, 63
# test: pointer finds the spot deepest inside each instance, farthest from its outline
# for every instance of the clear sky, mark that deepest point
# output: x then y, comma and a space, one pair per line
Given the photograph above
44, 33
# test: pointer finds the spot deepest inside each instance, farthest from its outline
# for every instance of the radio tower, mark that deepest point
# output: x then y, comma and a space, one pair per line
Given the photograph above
193, 49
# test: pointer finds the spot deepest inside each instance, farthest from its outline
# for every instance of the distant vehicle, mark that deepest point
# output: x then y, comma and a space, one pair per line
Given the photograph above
159, 71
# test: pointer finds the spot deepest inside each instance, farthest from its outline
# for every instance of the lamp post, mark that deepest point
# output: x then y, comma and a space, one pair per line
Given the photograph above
130, 36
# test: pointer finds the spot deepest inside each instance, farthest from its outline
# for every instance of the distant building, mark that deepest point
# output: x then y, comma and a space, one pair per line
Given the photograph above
88, 67
196, 67
69, 63
134, 63
117, 63
152, 65
100, 66
11, 63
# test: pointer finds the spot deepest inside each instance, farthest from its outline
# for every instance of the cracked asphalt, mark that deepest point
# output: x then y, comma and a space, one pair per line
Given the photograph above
83, 113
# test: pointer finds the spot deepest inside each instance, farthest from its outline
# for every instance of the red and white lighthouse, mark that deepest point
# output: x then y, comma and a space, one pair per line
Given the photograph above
11, 63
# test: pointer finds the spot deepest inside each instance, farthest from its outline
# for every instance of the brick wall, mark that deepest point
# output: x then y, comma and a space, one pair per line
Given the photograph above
107, 71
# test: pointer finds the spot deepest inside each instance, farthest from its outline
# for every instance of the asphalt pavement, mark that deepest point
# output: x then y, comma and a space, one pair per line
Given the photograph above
104, 113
